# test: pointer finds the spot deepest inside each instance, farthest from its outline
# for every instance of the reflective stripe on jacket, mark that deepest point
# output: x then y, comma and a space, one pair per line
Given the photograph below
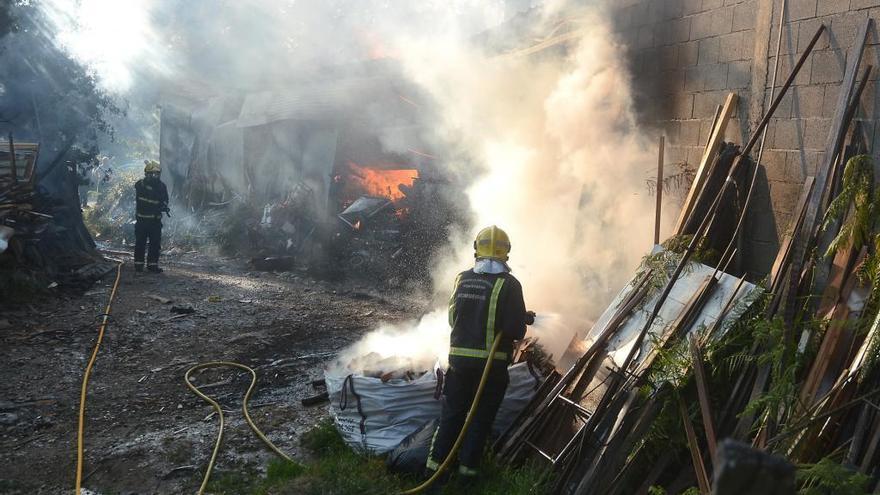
152, 198
481, 305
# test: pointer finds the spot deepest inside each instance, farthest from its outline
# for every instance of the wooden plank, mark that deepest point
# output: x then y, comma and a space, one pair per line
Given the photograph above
784, 253
703, 396
694, 447
659, 204
828, 348
708, 156
835, 138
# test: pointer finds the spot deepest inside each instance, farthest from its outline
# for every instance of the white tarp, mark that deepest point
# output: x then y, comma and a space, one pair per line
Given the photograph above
688, 284
374, 417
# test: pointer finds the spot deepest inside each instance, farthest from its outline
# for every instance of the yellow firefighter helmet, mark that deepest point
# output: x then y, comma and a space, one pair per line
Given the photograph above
492, 243
152, 166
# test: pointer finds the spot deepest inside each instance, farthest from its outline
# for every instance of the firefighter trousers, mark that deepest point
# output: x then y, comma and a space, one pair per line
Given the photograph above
147, 229
460, 386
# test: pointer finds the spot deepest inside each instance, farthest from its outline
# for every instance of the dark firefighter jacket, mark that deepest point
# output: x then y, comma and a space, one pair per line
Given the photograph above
152, 198
482, 305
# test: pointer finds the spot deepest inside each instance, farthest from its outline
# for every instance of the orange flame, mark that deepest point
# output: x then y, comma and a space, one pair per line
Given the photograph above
382, 182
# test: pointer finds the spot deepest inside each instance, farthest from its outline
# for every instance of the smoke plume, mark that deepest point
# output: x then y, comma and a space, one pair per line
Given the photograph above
550, 135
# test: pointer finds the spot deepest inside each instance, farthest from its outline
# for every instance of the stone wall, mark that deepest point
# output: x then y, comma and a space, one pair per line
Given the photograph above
686, 55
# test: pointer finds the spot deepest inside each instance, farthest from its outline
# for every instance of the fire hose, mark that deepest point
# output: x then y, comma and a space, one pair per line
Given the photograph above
219, 410
467, 422
85, 382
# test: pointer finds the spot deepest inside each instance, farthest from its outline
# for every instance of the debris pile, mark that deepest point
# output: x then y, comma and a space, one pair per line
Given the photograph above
43, 242
692, 370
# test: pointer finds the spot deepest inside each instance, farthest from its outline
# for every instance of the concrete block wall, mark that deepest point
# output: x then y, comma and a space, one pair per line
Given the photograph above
686, 55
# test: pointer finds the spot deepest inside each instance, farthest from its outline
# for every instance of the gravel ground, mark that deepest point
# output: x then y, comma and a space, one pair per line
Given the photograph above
145, 431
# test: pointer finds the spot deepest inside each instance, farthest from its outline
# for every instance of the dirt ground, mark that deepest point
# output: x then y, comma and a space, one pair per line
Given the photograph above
145, 431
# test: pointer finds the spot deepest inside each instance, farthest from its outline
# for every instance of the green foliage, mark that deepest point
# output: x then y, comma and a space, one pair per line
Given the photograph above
780, 356
336, 469
113, 209
859, 196
828, 477
278, 474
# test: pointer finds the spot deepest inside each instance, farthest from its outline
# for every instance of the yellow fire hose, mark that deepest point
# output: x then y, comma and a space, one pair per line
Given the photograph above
467, 422
85, 382
244, 406
244, 410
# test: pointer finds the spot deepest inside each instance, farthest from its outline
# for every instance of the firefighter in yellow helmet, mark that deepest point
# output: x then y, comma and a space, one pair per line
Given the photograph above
152, 201
486, 300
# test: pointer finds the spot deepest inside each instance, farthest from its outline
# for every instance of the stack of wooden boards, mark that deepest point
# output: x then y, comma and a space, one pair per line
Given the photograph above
42, 236
789, 370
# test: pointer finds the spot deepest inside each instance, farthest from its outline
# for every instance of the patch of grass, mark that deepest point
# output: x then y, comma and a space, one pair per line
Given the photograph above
278, 474
339, 470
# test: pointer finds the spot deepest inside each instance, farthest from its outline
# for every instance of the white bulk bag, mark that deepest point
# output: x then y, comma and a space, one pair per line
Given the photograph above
374, 417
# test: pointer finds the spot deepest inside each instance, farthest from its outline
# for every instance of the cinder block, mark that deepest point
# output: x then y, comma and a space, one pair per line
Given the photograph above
710, 50
690, 132
800, 165
774, 164
672, 9
805, 32
868, 106
688, 53
701, 26
789, 38
672, 130
739, 75
747, 41
671, 81
722, 20
744, 15
808, 101
694, 79
784, 195
668, 57
828, 67
759, 258
684, 106
680, 30
864, 4
784, 110
786, 64
816, 133
829, 103
802, 9
787, 135
675, 153
712, 4
691, 6
832, 7
705, 103
731, 47
845, 27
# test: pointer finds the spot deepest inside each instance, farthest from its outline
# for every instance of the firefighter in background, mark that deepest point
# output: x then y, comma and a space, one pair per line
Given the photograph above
152, 201
487, 299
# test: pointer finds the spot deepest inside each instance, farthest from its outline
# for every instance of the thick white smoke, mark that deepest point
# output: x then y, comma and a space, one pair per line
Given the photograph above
564, 171
560, 160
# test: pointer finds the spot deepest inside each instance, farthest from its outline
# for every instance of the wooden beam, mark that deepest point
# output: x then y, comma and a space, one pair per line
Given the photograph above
694, 447
835, 137
702, 171
659, 191
703, 395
